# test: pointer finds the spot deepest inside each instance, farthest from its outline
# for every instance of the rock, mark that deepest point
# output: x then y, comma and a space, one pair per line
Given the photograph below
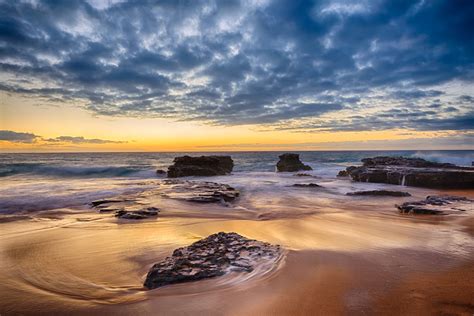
210, 257
437, 205
343, 173
200, 166
141, 214
346, 173
99, 202
379, 193
307, 185
303, 175
402, 161
412, 172
160, 172
291, 163
201, 192
109, 210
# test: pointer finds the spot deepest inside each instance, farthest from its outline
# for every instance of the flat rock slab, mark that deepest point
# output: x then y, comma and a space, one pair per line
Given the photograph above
415, 172
307, 185
200, 192
96, 203
210, 257
379, 193
304, 175
139, 214
438, 205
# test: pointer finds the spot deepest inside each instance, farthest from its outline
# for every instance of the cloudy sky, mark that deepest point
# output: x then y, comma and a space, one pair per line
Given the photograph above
236, 75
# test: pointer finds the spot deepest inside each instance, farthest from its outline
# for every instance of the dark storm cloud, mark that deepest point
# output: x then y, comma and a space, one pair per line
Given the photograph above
20, 137
282, 64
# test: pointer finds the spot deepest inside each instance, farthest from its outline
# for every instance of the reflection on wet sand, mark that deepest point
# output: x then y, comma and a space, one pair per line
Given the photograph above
345, 255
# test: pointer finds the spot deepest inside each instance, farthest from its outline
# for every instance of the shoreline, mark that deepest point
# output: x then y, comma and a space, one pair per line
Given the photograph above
343, 253
332, 256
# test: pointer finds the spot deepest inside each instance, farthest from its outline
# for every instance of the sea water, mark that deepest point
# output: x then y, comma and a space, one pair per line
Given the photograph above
42, 181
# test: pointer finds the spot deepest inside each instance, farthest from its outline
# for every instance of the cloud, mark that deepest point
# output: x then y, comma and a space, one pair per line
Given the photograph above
18, 137
15, 137
445, 141
279, 64
81, 140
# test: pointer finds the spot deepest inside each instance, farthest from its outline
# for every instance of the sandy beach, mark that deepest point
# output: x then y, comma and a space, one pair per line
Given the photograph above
343, 255
236, 157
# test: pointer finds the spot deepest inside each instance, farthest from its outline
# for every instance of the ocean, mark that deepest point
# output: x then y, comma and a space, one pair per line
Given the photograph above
42, 181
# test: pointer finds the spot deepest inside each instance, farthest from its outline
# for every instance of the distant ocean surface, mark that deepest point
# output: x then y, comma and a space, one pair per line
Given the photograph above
36, 182
143, 165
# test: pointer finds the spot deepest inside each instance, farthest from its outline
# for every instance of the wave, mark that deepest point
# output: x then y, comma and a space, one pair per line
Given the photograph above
455, 157
71, 171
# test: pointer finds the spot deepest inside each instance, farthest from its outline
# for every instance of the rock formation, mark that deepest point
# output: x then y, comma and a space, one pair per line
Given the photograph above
291, 163
412, 172
343, 173
307, 185
302, 174
200, 166
438, 205
210, 257
198, 191
140, 214
379, 193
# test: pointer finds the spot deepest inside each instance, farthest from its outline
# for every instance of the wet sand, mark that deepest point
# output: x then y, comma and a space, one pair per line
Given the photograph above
345, 255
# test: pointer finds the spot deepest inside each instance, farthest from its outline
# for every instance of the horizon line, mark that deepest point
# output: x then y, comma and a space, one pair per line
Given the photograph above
221, 151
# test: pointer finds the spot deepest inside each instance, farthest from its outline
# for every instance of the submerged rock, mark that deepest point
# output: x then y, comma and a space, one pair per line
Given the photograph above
379, 193
291, 163
160, 172
109, 209
200, 166
303, 175
307, 185
412, 172
201, 192
140, 214
210, 257
105, 201
437, 205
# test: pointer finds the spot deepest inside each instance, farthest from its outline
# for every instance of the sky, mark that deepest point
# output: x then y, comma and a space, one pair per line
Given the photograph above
118, 75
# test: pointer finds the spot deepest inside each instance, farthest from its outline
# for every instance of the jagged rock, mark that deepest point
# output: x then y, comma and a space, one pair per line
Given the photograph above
307, 185
412, 172
210, 257
437, 205
201, 192
343, 173
346, 173
141, 214
291, 163
407, 162
379, 193
200, 166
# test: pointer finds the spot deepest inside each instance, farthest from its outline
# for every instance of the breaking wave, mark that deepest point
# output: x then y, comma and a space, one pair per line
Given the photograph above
70, 171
